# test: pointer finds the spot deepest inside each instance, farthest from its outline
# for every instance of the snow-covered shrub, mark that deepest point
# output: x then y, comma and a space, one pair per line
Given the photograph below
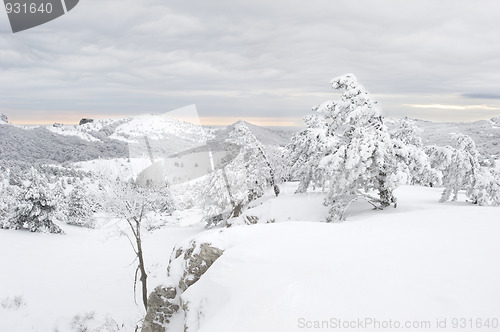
347, 147
90, 322
13, 303
37, 207
187, 195
461, 170
80, 322
160, 199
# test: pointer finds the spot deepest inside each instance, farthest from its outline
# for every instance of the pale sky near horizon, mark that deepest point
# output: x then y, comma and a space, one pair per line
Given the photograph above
267, 62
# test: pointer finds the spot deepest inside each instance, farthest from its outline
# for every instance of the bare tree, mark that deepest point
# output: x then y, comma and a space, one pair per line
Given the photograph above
132, 203
134, 221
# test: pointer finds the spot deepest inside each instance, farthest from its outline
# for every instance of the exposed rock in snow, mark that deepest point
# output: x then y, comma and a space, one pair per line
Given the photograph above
161, 308
187, 264
85, 120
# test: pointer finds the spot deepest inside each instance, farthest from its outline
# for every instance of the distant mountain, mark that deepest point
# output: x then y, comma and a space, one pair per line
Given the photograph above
121, 138
267, 136
486, 134
39, 145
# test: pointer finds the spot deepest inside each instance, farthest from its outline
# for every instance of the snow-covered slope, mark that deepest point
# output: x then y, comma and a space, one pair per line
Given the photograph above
486, 134
418, 263
40, 145
59, 280
267, 136
422, 261
159, 127
93, 131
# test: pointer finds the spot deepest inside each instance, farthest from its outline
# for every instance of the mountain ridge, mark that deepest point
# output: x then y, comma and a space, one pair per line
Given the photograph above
109, 138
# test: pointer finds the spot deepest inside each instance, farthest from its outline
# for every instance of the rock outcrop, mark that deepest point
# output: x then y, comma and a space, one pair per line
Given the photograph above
85, 120
161, 307
187, 265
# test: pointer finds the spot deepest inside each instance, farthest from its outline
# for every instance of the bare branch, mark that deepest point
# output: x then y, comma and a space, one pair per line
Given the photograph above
135, 283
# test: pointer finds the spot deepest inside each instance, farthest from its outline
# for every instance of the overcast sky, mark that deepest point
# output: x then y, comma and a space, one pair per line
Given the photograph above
263, 61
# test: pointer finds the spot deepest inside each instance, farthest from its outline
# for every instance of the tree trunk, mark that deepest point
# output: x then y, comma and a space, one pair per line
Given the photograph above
142, 267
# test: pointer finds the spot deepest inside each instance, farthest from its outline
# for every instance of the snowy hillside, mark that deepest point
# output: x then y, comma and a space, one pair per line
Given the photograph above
267, 136
400, 265
40, 145
486, 134
420, 262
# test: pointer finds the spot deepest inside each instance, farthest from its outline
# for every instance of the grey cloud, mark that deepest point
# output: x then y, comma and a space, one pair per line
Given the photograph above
481, 95
151, 56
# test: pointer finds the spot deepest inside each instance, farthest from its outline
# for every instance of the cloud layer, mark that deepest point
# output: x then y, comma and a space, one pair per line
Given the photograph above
252, 59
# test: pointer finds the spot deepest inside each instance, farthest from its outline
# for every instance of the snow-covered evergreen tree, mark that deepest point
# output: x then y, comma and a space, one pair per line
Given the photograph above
61, 199
225, 193
276, 158
4, 197
80, 207
412, 159
245, 179
306, 150
461, 170
350, 148
486, 189
259, 172
37, 208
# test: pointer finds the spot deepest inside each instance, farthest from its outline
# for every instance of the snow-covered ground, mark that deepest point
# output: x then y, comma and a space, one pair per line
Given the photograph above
418, 263
415, 264
59, 278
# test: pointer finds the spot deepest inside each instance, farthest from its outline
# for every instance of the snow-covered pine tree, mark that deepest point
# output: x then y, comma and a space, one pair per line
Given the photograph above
461, 170
486, 189
306, 150
37, 208
80, 207
243, 180
61, 199
275, 156
355, 151
412, 159
225, 193
8, 196
260, 173
456, 165
4, 197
